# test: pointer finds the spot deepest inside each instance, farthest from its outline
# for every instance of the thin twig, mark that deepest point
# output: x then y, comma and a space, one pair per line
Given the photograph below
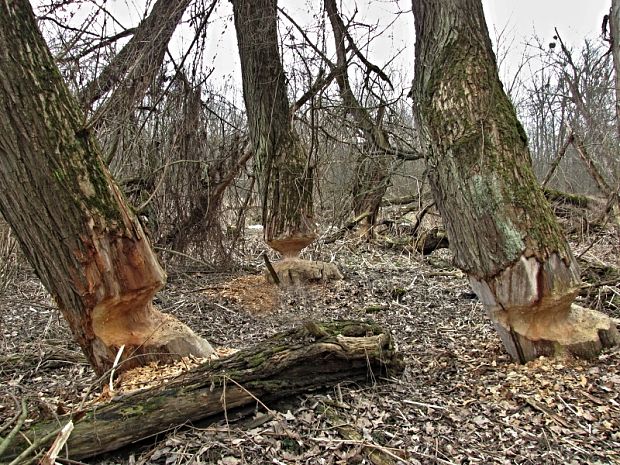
20, 422
114, 365
272, 271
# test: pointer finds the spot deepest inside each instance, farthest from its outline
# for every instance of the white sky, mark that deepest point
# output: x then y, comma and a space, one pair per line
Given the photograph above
519, 20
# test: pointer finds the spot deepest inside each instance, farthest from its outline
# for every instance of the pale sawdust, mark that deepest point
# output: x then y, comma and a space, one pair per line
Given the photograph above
156, 374
251, 293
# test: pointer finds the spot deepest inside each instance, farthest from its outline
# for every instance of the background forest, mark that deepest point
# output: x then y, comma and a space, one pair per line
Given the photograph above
177, 142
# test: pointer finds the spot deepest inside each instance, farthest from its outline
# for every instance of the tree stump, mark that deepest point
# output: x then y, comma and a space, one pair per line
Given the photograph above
295, 271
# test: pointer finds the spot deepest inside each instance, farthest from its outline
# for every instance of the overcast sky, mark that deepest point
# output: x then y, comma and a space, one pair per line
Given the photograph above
519, 21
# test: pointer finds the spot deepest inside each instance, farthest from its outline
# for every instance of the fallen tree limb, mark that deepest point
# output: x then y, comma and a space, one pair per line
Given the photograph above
578, 200
347, 227
313, 357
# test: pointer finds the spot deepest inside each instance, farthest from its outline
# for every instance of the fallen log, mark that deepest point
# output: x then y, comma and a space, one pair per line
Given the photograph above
316, 356
578, 200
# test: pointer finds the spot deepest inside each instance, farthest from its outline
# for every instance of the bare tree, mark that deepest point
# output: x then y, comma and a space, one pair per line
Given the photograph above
284, 170
501, 229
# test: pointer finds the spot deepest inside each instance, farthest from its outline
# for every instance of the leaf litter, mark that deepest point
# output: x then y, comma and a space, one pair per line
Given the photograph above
461, 400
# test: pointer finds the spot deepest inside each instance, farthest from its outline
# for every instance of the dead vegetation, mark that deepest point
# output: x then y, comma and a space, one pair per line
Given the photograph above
460, 399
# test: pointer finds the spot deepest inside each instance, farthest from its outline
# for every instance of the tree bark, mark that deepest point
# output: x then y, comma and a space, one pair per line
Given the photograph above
138, 61
614, 33
372, 177
70, 218
501, 229
316, 356
284, 171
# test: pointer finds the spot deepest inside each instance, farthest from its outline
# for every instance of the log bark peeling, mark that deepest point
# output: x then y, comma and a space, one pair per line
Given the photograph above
315, 356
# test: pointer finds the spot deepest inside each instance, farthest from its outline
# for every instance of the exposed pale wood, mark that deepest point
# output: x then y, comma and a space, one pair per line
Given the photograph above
286, 364
284, 171
502, 230
534, 316
294, 271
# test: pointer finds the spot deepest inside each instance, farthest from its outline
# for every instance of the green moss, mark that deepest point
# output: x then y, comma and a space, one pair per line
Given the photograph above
374, 308
479, 145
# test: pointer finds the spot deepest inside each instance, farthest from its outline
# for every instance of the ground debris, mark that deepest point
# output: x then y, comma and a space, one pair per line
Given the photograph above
460, 400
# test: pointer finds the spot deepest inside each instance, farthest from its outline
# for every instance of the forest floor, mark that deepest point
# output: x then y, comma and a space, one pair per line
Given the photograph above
460, 399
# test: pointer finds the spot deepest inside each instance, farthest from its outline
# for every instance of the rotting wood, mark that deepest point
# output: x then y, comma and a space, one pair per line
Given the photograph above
286, 364
578, 200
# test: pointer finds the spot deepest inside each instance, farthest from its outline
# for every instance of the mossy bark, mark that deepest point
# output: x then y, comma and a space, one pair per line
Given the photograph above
502, 230
70, 218
284, 171
614, 32
316, 356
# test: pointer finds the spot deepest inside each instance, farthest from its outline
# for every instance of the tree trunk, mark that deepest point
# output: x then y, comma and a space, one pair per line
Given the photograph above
285, 175
71, 220
316, 356
138, 61
502, 231
371, 180
373, 166
614, 33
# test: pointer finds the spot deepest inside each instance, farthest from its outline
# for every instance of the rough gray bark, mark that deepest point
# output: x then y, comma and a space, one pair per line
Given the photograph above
136, 65
283, 167
70, 218
502, 231
372, 176
614, 33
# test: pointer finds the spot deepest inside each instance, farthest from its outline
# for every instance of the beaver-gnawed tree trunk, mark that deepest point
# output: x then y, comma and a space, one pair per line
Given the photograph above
283, 167
71, 220
501, 229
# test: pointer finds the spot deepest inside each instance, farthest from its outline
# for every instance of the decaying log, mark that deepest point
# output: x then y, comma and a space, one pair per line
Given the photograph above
431, 240
315, 356
578, 200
